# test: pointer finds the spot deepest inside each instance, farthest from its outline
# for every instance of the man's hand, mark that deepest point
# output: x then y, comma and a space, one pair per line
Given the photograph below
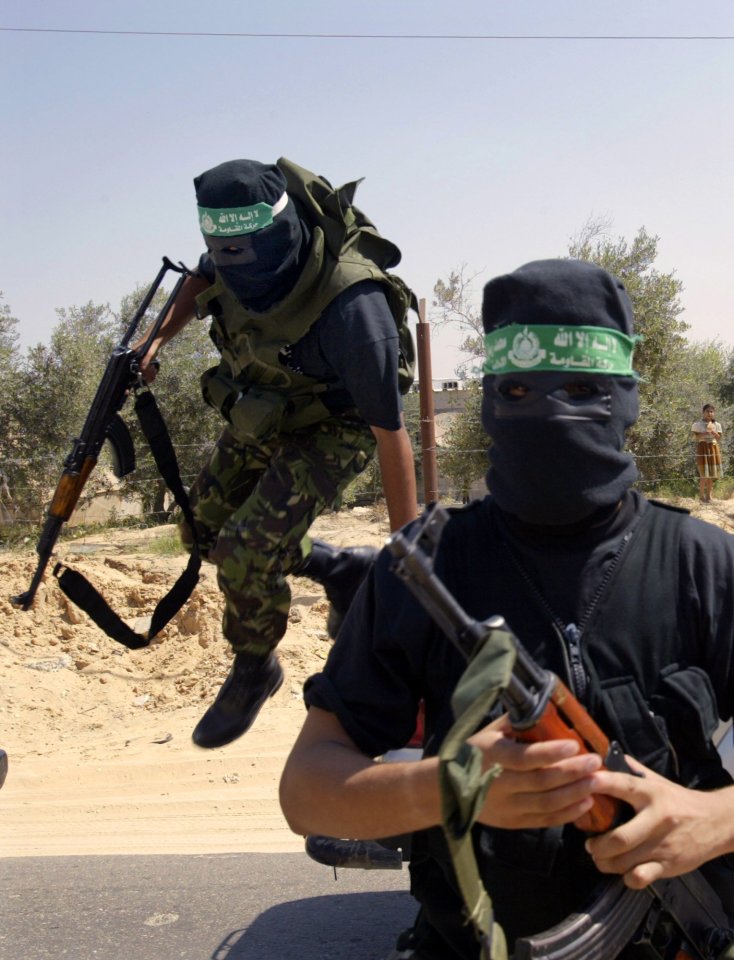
541, 785
181, 313
674, 829
149, 366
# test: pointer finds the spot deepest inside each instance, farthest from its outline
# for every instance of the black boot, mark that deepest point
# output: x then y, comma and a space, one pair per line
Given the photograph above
340, 572
249, 684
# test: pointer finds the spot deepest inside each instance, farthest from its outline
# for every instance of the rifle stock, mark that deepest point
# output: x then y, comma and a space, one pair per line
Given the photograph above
103, 422
679, 918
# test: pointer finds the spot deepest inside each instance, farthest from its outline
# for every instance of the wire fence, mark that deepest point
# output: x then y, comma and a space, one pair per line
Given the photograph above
110, 501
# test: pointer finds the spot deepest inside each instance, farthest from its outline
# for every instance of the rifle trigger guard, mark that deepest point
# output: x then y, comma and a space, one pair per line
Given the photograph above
59, 569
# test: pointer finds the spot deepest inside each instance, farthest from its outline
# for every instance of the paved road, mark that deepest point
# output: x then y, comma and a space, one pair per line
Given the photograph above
218, 907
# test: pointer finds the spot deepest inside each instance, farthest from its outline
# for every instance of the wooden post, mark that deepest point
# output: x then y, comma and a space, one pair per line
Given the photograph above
425, 387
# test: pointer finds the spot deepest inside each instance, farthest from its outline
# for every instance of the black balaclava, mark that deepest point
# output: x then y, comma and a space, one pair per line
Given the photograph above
254, 235
558, 392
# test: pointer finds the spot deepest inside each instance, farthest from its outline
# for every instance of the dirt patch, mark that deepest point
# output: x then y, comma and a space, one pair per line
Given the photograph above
98, 736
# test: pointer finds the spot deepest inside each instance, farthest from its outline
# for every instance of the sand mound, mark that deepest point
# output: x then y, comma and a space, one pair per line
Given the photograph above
96, 732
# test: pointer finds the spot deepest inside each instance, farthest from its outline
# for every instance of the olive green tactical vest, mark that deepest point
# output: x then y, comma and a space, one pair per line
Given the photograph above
250, 387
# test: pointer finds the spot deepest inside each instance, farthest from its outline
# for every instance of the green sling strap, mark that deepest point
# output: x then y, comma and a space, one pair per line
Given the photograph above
463, 784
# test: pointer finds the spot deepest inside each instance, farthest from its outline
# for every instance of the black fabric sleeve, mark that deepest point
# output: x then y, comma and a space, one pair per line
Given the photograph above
354, 348
368, 679
390, 654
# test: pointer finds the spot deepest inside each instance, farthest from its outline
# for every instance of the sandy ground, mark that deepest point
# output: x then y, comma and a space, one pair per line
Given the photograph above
101, 760
99, 737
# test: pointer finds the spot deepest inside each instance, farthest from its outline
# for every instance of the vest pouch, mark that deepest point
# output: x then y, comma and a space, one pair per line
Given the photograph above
257, 414
691, 694
252, 412
219, 390
630, 720
685, 699
303, 411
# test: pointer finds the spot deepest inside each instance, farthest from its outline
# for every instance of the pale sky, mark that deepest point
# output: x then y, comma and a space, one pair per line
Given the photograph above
488, 152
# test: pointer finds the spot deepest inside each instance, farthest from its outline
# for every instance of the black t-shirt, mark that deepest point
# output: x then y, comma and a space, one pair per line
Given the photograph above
390, 655
353, 348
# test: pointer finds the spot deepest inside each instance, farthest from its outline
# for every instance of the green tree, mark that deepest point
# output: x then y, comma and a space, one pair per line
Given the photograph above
54, 388
9, 364
726, 404
654, 295
655, 439
726, 387
9, 352
367, 487
463, 454
706, 377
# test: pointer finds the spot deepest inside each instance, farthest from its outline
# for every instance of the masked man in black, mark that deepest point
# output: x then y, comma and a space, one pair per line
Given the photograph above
628, 601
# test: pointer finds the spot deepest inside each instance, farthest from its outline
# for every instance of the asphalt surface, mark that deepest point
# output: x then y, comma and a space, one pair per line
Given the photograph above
218, 907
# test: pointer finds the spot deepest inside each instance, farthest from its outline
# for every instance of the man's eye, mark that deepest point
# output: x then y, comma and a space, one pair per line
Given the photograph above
513, 391
232, 251
580, 391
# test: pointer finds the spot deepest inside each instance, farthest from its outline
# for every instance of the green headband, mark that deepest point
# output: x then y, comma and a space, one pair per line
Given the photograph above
236, 221
540, 347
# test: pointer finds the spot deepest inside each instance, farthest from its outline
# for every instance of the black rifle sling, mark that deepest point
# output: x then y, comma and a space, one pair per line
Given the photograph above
81, 592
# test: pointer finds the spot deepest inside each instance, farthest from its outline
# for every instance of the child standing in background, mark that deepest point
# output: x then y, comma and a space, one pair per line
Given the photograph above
708, 451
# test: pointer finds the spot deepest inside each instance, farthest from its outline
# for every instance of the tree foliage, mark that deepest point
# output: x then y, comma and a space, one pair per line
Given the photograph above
367, 487
463, 455
8, 337
47, 390
453, 304
55, 385
9, 358
53, 388
656, 305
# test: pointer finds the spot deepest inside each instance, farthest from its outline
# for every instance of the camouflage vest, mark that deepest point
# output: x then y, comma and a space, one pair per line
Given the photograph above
251, 387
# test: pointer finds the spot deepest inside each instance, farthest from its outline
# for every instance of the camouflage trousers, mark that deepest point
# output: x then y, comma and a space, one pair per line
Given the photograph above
253, 506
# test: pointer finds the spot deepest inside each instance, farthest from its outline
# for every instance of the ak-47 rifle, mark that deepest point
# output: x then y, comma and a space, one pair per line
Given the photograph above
681, 918
122, 376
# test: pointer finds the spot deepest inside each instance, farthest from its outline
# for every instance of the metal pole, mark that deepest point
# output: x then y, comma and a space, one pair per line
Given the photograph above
425, 387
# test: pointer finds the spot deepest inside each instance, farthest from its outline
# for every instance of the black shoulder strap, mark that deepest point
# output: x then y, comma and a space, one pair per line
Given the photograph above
81, 592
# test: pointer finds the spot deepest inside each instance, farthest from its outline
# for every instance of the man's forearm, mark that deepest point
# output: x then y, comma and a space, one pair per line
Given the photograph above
397, 467
378, 800
182, 311
329, 787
